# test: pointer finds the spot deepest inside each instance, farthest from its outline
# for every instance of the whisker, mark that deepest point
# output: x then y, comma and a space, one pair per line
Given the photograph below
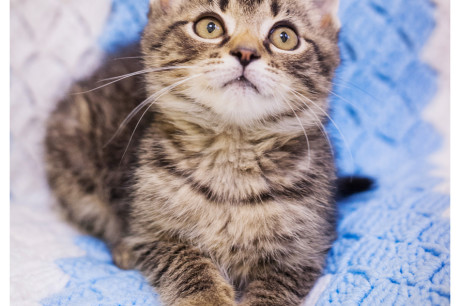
165, 91
320, 125
346, 100
132, 57
355, 106
126, 57
304, 132
142, 105
333, 122
355, 87
122, 77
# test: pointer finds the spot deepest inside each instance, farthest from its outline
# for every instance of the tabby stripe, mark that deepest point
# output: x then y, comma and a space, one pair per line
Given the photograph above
170, 260
266, 44
196, 286
325, 69
192, 262
263, 295
138, 247
287, 284
145, 255
175, 62
307, 81
311, 273
165, 34
224, 41
250, 3
190, 284
151, 258
165, 163
297, 191
199, 286
275, 7
197, 269
213, 197
223, 4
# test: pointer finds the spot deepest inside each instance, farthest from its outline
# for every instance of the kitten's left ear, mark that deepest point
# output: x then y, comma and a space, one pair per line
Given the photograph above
166, 5
328, 10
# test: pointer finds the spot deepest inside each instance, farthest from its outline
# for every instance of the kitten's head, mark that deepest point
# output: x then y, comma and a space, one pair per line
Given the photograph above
243, 60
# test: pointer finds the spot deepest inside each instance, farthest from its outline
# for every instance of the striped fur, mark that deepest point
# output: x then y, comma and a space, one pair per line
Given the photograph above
222, 193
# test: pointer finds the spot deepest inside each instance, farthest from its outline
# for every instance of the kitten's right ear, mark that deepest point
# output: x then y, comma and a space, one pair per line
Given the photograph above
329, 12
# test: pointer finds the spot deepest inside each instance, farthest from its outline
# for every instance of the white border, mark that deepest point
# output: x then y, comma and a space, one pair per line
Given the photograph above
455, 165
5, 152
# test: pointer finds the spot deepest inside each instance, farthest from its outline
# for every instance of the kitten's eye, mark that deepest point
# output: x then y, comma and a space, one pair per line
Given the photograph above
284, 38
209, 28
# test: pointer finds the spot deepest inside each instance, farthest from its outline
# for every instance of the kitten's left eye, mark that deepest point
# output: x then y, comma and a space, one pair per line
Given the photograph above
284, 38
209, 28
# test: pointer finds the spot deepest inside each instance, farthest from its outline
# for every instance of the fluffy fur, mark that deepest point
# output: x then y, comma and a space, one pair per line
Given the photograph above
216, 189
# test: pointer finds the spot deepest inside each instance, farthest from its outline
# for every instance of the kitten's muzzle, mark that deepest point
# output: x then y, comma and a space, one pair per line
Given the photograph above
245, 55
242, 81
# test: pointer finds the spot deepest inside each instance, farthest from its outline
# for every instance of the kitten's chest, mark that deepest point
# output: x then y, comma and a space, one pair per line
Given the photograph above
223, 168
220, 196
229, 173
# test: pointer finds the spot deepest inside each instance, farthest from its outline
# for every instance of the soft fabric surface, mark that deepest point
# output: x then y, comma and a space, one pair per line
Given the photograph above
393, 243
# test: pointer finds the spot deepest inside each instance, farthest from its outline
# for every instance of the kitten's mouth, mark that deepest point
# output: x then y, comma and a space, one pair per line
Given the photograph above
243, 82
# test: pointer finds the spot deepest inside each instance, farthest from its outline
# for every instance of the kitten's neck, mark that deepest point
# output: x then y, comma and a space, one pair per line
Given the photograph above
195, 119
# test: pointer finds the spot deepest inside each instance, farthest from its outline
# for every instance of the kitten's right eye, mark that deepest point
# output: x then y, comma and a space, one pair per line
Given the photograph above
284, 38
209, 28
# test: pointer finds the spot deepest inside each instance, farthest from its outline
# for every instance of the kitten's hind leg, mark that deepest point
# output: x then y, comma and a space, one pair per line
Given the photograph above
90, 214
77, 166
122, 255
182, 275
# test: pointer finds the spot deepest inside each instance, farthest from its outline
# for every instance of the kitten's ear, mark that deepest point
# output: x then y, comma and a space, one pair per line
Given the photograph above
329, 12
165, 5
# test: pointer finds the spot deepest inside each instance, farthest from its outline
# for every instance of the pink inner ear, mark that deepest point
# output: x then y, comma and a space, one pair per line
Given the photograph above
327, 7
326, 20
328, 10
165, 4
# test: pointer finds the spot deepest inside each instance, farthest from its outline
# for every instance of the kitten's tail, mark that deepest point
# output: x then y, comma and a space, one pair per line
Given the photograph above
349, 185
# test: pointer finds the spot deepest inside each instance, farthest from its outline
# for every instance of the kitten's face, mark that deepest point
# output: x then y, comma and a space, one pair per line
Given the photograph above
246, 60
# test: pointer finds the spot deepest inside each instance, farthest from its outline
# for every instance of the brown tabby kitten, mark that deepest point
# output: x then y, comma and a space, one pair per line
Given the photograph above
223, 190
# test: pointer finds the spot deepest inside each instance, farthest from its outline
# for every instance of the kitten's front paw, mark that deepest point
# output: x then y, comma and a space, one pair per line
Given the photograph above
221, 295
203, 300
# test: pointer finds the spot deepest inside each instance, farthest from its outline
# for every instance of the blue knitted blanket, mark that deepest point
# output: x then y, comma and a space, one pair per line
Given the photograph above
393, 242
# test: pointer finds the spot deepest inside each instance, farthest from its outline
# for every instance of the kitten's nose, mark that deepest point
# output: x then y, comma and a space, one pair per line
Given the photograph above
245, 55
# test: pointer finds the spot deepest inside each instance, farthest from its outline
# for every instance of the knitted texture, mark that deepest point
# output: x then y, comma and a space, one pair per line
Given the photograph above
53, 43
393, 242
125, 24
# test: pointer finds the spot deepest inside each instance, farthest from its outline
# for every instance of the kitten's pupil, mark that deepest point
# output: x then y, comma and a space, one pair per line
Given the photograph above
284, 36
211, 27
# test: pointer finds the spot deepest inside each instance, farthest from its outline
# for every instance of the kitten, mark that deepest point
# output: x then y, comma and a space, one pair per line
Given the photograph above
219, 186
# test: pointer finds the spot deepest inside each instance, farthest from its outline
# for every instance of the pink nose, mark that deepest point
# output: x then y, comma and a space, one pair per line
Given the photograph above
245, 55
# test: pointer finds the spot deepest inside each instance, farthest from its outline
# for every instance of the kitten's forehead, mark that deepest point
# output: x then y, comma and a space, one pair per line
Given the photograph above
244, 16
256, 11
303, 13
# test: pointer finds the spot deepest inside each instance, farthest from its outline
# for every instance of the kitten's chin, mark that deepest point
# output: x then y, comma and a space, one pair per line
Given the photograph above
242, 86
237, 101
240, 103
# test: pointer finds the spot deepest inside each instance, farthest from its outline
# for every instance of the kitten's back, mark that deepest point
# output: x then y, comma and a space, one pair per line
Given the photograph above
81, 154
